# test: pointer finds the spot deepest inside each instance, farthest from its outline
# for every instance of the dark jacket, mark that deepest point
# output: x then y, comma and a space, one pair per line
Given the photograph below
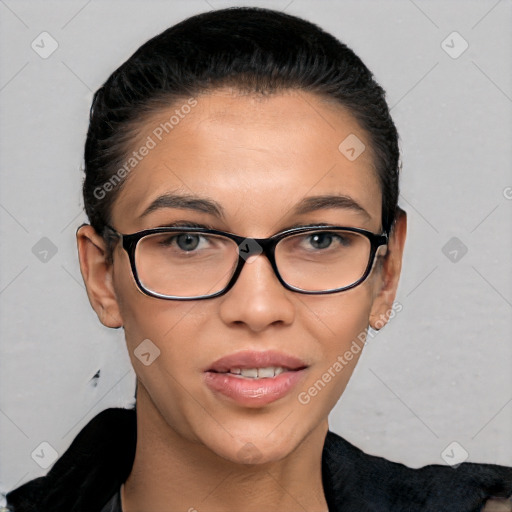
89, 474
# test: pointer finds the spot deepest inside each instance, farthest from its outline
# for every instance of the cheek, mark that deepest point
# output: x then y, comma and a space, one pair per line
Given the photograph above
163, 327
338, 324
336, 319
160, 338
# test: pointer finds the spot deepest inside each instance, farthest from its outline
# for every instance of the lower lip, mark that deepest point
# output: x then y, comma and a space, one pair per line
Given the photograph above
253, 392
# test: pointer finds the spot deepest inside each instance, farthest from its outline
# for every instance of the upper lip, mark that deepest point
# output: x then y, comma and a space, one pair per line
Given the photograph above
256, 359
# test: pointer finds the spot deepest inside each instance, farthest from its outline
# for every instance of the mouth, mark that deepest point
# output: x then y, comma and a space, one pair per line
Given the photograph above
249, 363
254, 379
257, 373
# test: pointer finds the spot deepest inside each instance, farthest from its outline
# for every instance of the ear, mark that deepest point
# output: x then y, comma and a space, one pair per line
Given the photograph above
389, 273
97, 274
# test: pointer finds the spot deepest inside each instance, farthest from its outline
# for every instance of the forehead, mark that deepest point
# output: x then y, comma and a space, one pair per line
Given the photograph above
254, 154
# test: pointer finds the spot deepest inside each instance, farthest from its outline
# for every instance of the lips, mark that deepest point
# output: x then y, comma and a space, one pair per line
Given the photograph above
254, 379
253, 359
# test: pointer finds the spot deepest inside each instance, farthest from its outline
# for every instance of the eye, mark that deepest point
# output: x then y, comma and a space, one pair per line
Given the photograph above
321, 240
187, 241
324, 239
184, 241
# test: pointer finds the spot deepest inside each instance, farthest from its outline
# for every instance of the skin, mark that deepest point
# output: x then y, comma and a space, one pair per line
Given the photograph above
243, 151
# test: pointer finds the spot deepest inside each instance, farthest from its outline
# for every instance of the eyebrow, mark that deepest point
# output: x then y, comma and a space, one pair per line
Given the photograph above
325, 202
187, 202
206, 205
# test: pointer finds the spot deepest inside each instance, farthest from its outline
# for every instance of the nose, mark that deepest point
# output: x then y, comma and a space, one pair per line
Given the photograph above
257, 299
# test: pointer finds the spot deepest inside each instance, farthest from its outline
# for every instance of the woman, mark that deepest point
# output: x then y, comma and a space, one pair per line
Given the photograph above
241, 183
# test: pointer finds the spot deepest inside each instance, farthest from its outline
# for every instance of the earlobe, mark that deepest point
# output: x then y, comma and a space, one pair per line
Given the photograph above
97, 275
391, 267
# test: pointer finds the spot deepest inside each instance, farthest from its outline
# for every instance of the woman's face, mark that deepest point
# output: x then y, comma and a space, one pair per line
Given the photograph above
256, 158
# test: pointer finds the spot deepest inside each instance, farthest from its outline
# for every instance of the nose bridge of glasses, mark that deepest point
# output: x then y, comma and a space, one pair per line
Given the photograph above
254, 247
248, 247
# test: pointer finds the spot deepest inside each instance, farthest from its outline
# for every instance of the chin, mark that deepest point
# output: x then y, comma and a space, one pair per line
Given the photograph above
257, 451
252, 445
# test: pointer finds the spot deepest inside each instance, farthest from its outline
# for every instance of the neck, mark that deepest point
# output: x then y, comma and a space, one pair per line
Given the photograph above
173, 473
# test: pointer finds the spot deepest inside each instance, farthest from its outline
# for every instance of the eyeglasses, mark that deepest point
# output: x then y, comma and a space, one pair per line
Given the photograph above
191, 263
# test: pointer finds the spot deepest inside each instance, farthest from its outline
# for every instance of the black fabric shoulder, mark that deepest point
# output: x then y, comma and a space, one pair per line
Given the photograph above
355, 481
89, 472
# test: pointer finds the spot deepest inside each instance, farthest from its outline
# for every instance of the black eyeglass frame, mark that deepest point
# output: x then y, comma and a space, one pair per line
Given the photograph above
267, 246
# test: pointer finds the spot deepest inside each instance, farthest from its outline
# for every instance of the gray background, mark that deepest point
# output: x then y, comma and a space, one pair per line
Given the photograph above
440, 372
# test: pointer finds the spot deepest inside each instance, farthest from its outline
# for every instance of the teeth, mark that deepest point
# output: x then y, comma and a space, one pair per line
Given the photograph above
258, 373
266, 372
249, 372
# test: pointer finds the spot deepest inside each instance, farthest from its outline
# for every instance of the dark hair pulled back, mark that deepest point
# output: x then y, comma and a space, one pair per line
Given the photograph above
252, 49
